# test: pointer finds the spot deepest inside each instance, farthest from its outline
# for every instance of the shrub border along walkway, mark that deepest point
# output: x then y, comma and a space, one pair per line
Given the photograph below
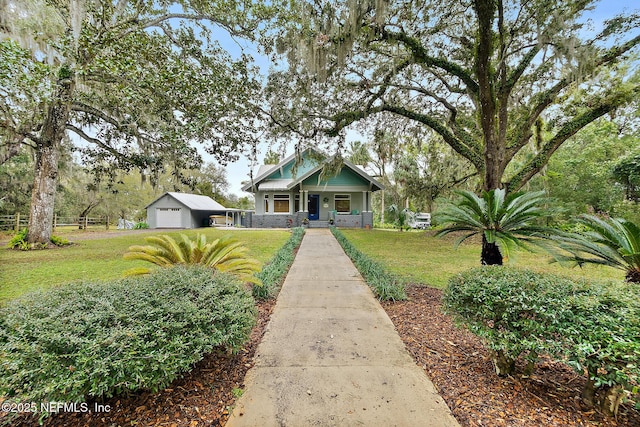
274, 272
385, 285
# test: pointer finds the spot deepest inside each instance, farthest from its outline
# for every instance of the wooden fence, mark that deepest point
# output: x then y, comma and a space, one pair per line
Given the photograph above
17, 222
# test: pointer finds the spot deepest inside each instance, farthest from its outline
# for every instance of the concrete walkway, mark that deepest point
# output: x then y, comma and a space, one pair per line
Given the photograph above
331, 356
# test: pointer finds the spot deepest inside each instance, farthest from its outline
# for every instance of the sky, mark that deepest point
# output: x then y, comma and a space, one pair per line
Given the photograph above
239, 170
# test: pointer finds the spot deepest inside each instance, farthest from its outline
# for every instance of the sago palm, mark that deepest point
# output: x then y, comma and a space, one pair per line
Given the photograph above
614, 242
505, 221
224, 254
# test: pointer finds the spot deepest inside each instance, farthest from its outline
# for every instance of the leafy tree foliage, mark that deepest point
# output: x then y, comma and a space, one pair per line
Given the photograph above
271, 158
137, 82
16, 177
492, 78
580, 173
627, 172
401, 216
429, 170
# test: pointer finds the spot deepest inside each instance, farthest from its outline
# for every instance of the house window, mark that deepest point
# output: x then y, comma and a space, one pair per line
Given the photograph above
296, 203
266, 203
343, 203
281, 203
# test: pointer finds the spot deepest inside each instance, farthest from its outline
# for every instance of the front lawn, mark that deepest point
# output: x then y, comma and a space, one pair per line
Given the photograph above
419, 257
101, 258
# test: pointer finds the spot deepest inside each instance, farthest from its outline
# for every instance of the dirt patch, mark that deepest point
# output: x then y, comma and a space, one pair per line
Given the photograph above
461, 370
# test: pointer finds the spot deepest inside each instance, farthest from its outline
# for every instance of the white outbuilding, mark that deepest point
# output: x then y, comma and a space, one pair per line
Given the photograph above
183, 210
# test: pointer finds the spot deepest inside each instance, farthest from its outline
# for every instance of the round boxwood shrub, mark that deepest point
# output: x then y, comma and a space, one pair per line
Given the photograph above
95, 340
515, 311
593, 327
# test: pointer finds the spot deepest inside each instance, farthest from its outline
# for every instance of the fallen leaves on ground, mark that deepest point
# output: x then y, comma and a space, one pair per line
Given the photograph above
460, 368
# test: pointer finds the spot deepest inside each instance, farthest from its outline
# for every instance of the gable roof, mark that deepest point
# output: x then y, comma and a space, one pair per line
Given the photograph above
194, 202
264, 182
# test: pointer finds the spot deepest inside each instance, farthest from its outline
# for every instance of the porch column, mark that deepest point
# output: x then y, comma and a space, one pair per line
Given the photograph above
306, 200
301, 201
364, 202
369, 201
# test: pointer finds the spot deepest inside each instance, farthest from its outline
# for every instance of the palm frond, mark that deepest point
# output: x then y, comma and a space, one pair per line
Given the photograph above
171, 248
223, 254
614, 242
150, 254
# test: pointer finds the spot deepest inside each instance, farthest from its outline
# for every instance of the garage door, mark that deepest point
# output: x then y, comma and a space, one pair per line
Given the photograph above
168, 218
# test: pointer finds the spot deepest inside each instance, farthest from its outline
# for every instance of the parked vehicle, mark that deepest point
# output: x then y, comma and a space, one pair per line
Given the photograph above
421, 220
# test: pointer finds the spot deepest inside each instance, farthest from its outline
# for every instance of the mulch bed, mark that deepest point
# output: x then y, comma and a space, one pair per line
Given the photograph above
462, 371
453, 358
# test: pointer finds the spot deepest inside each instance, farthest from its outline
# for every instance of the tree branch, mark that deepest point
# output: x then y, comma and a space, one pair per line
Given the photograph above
386, 82
154, 22
421, 56
97, 142
531, 168
466, 149
88, 109
288, 125
548, 97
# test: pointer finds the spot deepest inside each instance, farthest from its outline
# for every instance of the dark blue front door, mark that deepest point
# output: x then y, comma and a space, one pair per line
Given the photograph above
314, 207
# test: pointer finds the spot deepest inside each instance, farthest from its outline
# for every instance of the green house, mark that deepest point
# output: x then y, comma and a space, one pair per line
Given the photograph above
294, 191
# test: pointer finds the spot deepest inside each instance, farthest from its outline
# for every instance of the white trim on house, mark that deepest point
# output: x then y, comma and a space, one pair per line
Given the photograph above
288, 184
341, 197
275, 185
340, 189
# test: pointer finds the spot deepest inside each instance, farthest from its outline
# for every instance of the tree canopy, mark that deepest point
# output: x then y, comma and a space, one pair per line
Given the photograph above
496, 80
135, 84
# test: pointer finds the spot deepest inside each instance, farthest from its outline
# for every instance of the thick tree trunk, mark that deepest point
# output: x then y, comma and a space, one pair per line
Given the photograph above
494, 147
491, 254
43, 192
494, 159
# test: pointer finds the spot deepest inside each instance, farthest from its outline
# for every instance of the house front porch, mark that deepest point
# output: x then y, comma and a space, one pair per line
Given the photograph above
353, 220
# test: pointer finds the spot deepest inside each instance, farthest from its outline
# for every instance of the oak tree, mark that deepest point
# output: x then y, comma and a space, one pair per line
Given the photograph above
490, 77
135, 84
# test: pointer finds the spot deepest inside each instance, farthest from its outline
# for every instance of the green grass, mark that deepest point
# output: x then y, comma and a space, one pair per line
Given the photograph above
101, 259
419, 257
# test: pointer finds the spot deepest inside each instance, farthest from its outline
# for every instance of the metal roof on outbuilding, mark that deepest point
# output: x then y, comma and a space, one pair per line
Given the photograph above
194, 202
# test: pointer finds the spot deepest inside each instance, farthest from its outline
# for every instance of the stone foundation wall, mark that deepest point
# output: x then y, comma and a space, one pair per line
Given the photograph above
253, 220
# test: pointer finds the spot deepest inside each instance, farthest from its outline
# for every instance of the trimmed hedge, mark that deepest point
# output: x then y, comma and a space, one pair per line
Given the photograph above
274, 272
593, 327
386, 286
99, 340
